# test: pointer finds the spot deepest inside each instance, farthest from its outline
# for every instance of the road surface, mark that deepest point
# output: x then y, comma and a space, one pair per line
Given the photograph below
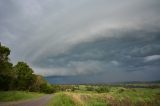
42, 101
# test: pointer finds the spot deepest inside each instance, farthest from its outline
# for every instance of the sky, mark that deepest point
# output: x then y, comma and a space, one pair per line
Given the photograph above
84, 40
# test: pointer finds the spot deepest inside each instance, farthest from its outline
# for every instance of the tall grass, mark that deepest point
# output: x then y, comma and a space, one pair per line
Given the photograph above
61, 99
117, 96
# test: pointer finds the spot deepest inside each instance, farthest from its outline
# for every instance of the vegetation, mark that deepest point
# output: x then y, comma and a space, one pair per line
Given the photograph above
17, 95
98, 89
61, 99
21, 76
116, 96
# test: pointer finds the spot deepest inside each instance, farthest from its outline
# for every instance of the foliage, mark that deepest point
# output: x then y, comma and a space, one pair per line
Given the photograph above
4, 53
6, 72
90, 88
98, 89
20, 76
47, 88
102, 89
64, 87
24, 76
118, 96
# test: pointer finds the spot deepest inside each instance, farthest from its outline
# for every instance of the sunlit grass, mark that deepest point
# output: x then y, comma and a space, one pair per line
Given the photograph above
118, 96
6, 96
61, 99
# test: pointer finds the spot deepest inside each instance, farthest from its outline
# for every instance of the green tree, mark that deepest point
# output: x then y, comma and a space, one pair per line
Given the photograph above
24, 76
4, 53
42, 85
37, 83
6, 73
20, 77
46, 88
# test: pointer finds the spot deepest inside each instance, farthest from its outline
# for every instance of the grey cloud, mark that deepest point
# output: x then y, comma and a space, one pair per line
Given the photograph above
83, 37
152, 58
109, 54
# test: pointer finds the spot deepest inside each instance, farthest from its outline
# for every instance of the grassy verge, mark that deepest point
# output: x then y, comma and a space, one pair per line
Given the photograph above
6, 96
61, 99
116, 97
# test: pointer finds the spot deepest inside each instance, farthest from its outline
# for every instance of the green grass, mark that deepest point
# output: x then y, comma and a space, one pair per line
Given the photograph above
138, 96
117, 96
60, 99
6, 96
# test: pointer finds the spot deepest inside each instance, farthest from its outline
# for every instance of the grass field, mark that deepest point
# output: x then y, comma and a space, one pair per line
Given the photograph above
61, 99
116, 96
6, 96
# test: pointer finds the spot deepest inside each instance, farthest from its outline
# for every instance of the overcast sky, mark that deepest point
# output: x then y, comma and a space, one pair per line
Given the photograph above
108, 40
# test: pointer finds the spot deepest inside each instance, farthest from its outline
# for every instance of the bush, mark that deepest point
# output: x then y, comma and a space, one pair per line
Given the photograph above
46, 88
121, 90
90, 88
102, 89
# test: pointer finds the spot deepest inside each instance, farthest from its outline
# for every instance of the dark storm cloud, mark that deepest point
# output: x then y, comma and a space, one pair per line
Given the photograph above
124, 53
104, 38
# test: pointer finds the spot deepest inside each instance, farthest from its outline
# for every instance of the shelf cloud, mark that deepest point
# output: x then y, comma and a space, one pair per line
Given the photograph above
102, 40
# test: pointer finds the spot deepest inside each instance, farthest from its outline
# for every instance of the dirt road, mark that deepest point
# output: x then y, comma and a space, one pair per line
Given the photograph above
42, 101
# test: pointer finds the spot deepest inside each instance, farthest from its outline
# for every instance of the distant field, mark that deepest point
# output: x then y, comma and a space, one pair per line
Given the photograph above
6, 96
112, 96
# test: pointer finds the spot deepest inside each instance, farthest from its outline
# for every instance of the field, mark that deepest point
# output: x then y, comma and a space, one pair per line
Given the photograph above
83, 95
94, 95
6, 96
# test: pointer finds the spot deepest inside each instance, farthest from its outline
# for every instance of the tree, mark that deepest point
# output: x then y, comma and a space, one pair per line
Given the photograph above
24, 76
6, 72
37, 83
20, 77
41, 85
46, 88
4, 53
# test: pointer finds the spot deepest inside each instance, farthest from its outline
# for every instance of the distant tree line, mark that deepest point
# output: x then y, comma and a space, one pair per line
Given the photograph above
20, 76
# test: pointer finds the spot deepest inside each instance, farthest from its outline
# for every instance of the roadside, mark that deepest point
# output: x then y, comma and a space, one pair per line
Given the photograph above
42, 101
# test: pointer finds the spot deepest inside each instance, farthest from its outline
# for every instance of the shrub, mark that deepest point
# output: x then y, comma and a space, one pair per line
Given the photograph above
90, 88
102, 89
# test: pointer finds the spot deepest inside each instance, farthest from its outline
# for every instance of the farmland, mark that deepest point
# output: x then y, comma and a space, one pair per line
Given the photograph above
106, 95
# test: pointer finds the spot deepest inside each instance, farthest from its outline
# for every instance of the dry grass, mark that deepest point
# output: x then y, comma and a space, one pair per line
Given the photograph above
127, 97
116, 97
